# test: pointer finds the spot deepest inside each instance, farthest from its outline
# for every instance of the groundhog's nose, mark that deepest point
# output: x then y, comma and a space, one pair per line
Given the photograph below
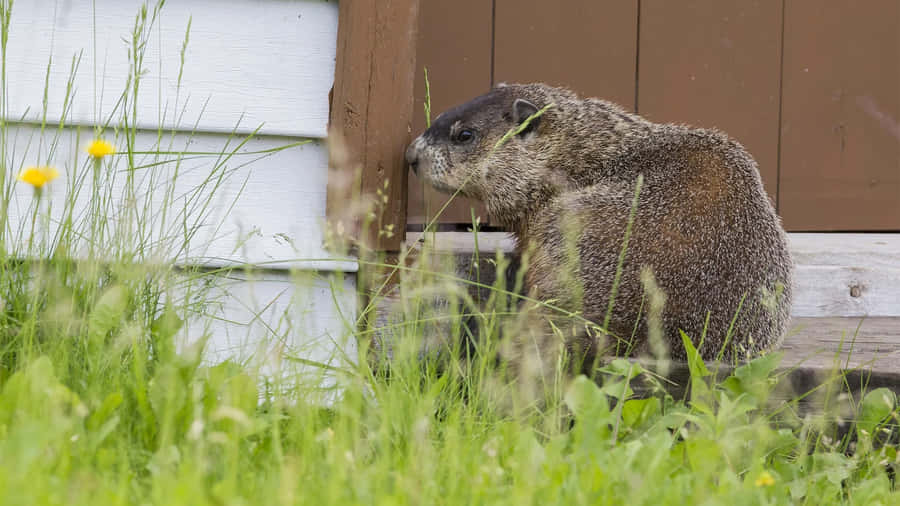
412, 156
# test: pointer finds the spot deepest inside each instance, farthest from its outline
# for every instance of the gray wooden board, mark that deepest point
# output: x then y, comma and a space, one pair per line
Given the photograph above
852, 274
829, 347
820, 343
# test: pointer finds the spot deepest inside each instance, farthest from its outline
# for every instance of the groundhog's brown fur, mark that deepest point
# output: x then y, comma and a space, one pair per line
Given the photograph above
704, 225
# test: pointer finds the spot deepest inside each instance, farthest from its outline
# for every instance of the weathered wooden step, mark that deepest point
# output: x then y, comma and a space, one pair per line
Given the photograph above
846, 315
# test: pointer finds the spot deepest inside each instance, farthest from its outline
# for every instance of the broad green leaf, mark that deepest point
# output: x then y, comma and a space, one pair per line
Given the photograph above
586, 400
168, 394
620, 389
703, 455
700, 394
624, 368
835, 467
103, 412
876, 407
108, 312
636, 412
163, 330
760, 368
695, 363
35, 393
754, 378
242, 393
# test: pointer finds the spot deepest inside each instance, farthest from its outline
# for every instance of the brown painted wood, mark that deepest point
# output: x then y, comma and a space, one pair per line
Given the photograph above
372, 112
715, 64
589, 46
840, 133
454, 44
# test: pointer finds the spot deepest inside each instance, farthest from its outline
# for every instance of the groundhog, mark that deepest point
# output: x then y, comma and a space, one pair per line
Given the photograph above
704, 237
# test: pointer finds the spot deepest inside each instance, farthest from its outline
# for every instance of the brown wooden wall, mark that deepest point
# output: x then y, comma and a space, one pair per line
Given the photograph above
810, 87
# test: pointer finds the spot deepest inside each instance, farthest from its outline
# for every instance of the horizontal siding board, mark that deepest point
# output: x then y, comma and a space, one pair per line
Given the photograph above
268, 317
265, 62
268, 209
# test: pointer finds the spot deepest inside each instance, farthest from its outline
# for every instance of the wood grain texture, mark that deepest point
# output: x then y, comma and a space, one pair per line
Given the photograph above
265, 62
836, 275
846, 274
715, 64
872, 250
840, 133
589, 46
372, 108
454, 44
266, 209
821, 343
850, 290
463, 242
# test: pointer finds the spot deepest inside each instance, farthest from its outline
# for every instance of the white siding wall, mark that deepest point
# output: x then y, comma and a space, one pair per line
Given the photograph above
249, 64
271, 61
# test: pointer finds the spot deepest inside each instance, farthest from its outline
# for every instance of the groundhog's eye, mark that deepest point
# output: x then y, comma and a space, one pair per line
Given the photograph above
464, 136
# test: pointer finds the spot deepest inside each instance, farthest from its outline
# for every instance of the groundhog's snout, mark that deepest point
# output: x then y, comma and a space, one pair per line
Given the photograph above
412, 155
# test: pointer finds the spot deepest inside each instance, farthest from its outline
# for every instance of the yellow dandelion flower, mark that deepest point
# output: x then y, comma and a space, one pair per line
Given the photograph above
38, 176
765, 479
100, 148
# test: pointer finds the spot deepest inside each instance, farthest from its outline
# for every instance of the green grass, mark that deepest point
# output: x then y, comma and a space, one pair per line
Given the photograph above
99, 404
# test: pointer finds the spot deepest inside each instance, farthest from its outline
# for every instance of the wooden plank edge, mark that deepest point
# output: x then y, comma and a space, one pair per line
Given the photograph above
317, 265
371, 114
845, 245
860, 276
809, 386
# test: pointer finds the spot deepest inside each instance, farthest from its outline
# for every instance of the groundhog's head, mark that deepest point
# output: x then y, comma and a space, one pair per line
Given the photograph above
462, 149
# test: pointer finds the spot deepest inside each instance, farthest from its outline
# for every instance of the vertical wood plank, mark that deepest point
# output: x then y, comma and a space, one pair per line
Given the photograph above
454, 44
840, 134
715, 63
589, 46
371, 109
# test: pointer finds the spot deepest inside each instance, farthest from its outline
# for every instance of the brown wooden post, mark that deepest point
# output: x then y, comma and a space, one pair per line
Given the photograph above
371, 112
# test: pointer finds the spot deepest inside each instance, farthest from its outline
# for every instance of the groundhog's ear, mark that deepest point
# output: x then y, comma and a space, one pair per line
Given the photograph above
522, 110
